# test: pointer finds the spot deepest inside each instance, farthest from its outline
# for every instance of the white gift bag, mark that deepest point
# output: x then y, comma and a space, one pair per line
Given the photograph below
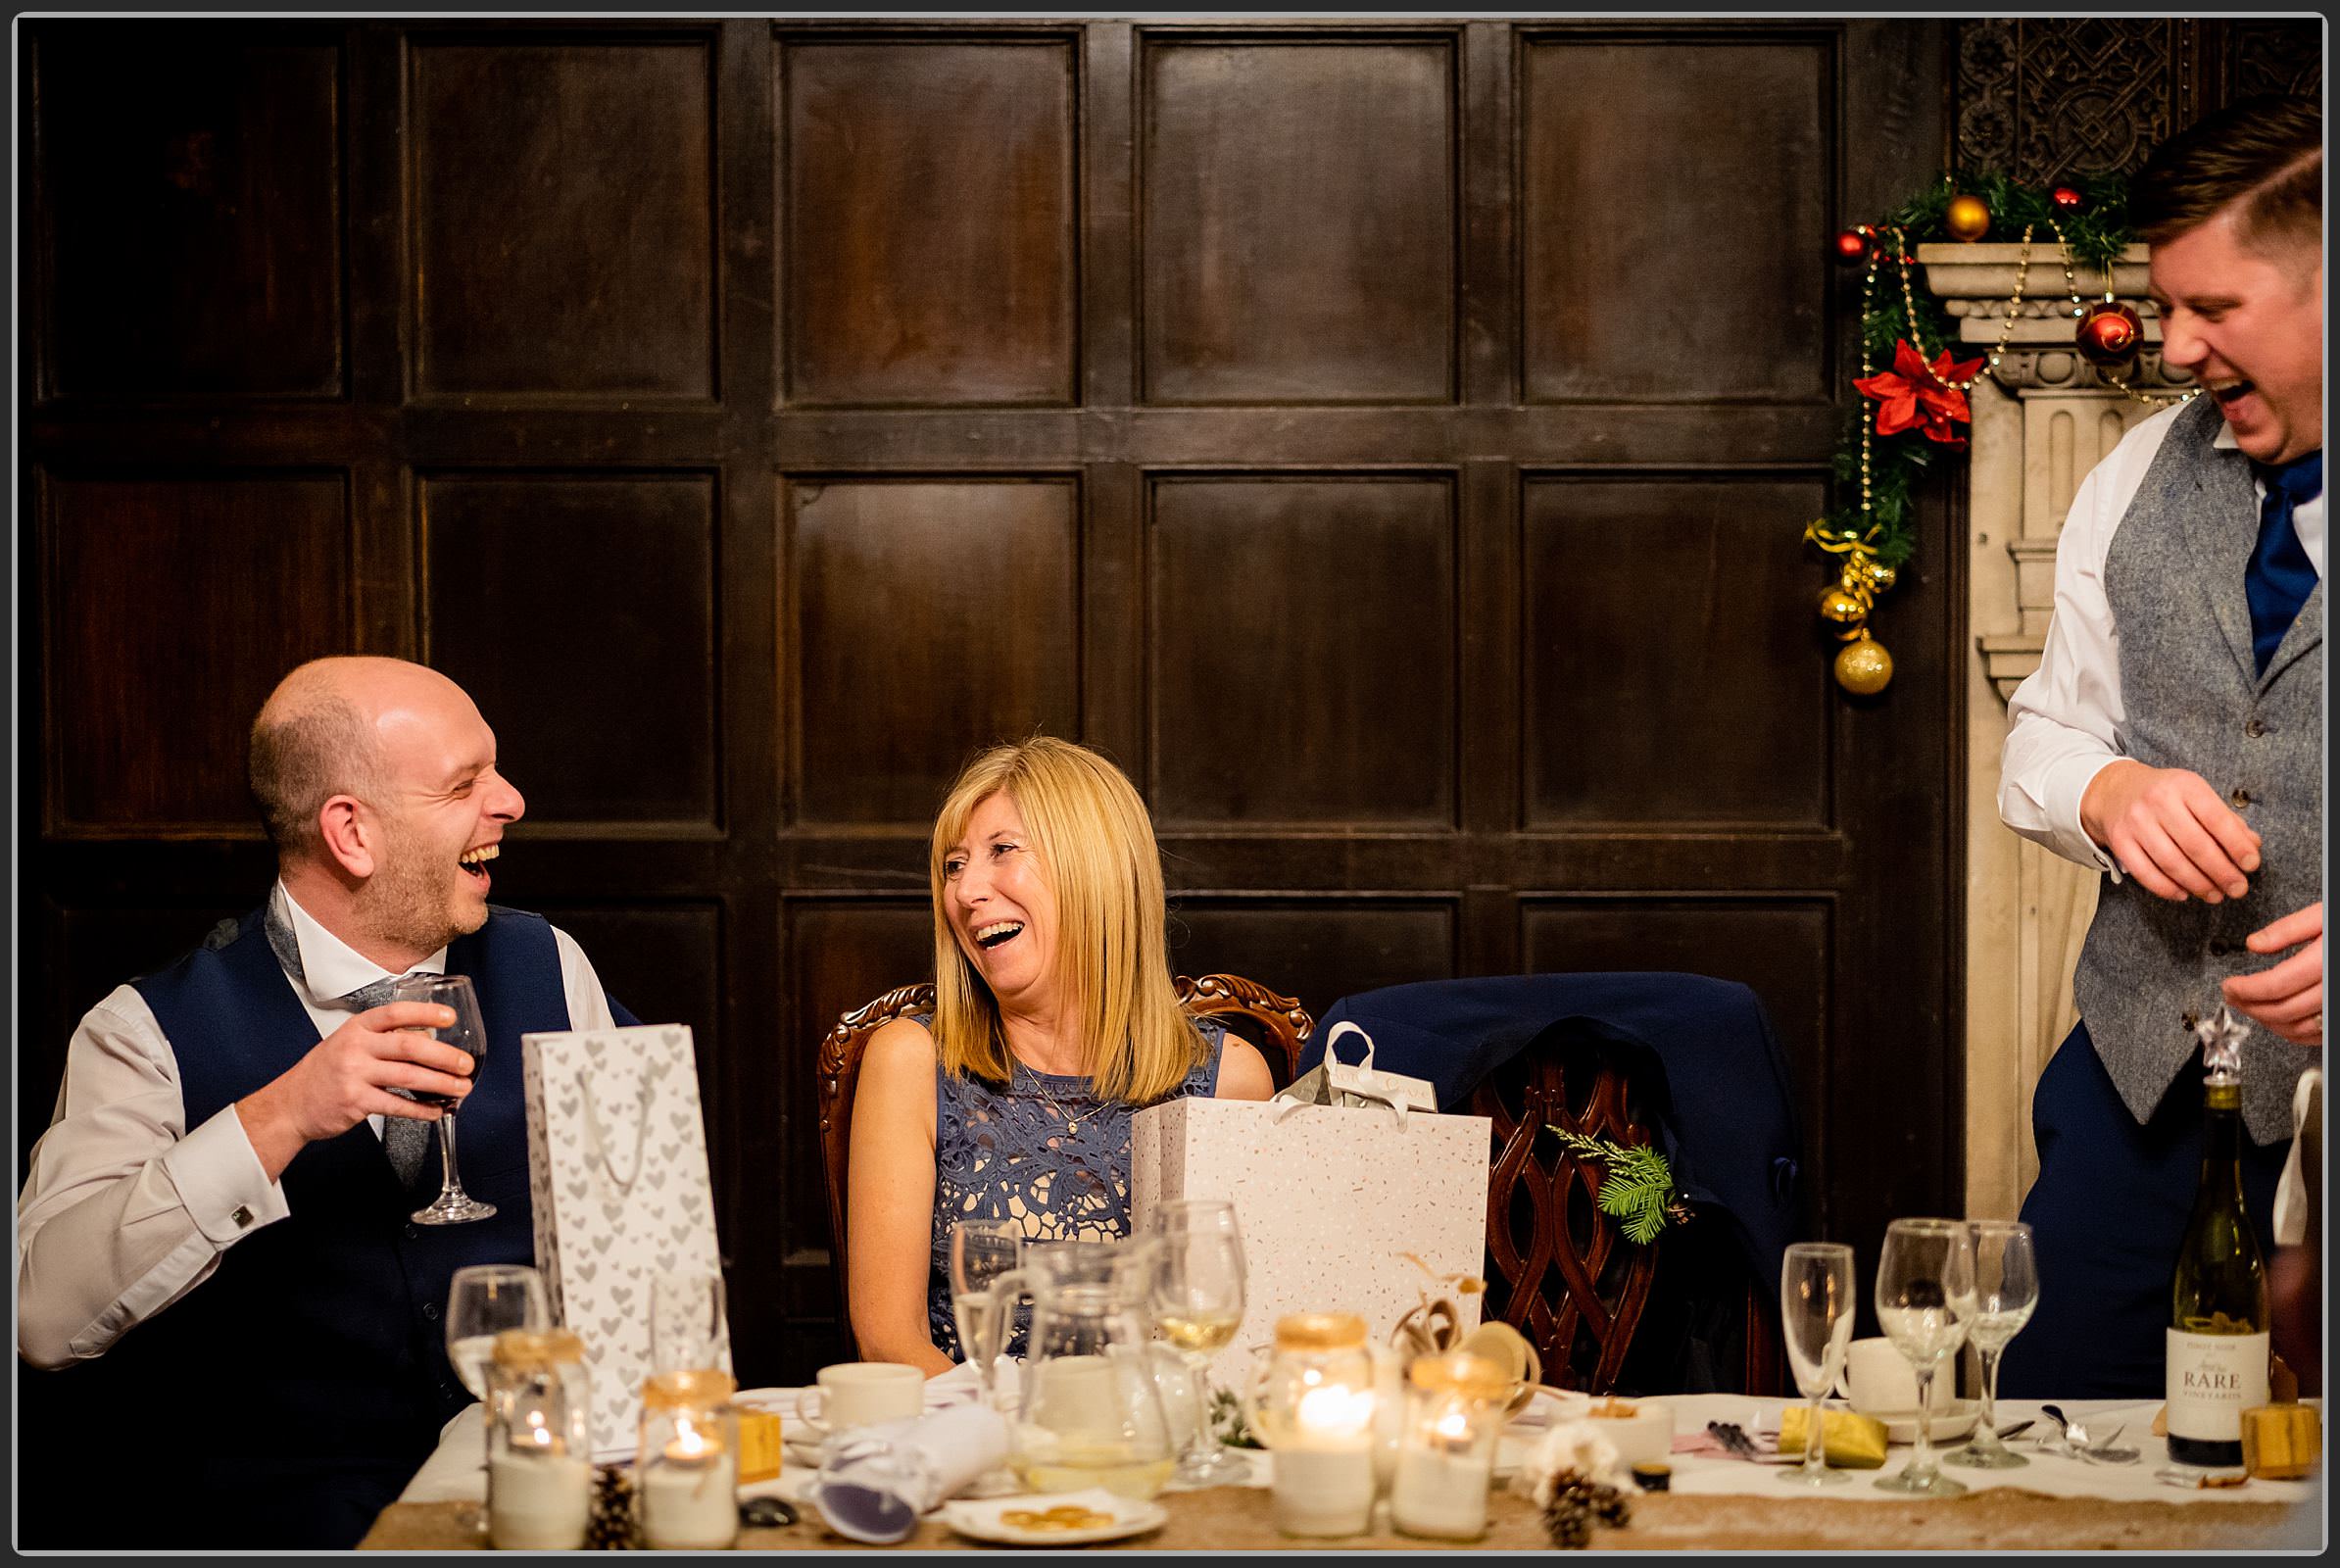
1331, 1199
617, 1174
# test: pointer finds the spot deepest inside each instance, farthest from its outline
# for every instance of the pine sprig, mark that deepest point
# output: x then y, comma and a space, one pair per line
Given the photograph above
1637, 1187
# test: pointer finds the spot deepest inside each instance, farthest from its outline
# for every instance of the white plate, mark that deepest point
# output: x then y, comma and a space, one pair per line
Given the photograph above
1951, 1422
982, 1520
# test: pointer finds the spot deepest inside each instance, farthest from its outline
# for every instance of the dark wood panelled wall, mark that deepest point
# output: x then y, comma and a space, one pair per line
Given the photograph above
1387, 441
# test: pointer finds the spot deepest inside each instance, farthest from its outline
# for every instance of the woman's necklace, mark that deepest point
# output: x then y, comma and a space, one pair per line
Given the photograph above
1072, 1123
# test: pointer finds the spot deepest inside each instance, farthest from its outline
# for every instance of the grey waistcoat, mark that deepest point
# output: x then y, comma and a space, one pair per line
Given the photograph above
2175, 578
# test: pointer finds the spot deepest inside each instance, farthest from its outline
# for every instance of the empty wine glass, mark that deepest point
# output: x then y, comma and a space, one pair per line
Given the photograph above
482, 1301
2006, 1290
686, 1330
981, 1251
1815, 1310
452, 1205
1198, 1305
1925, 1303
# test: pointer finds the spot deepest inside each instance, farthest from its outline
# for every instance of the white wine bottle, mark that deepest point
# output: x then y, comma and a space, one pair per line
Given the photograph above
2217, 1337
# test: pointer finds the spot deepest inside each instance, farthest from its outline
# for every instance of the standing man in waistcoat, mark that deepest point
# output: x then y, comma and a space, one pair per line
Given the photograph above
214, 1265
2174, 736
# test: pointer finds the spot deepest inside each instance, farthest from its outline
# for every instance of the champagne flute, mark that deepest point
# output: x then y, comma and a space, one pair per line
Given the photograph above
1926, 1303
1815, 1310
686, 1321
482, 1301
981, 1251
1198, 1305
2006, 1290
452, 1205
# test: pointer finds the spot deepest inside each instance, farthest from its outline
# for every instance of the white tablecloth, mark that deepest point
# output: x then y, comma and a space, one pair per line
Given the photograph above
456, 1470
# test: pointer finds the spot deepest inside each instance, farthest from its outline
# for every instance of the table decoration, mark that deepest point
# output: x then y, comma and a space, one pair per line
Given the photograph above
686, 1465
539, 1408
2282, 1442
1447, 1454
1314, 1409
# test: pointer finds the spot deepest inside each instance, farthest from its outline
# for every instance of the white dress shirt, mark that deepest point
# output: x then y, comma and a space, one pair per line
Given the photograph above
2068, 720
126, 1209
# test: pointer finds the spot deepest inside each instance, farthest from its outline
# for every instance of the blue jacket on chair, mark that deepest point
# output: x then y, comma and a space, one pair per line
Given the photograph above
1722, 1091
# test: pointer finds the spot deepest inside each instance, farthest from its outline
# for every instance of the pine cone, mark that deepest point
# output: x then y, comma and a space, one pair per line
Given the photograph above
1577, 1503
611, 1526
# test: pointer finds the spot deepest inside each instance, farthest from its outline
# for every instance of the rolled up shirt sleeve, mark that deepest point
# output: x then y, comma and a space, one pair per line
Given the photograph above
2067, 721
124, 1210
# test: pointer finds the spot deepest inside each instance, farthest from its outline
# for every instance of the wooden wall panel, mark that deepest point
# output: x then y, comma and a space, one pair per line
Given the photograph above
931, 619
154, 676
1783, 949
664, 960
1319, 611
563, 218
898, 154
1674, 198
1300, 221
1666, 680
1316, 950
579, 612
196, 178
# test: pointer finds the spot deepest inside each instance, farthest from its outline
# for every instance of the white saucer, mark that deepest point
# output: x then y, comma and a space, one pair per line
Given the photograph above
982, 1521
1951, 1422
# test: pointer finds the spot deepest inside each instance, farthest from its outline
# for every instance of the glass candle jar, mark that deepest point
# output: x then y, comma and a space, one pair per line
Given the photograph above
538, 1457
687, 1466
1314, 1406
1446, 1452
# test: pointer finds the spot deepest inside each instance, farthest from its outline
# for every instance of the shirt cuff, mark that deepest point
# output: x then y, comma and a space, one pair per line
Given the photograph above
220, 1182
2061, 791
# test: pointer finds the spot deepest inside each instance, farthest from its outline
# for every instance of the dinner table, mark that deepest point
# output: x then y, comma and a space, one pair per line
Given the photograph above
1715, 1500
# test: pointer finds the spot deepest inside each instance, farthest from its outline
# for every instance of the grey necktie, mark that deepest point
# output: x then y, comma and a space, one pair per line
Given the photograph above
404, 1139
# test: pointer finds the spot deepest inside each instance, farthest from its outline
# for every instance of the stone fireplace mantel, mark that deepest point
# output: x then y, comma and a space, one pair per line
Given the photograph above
2042, 419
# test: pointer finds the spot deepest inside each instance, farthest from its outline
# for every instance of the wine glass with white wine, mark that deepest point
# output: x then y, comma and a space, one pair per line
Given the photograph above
2006, 1290
482, 1301
1925, 1304
1198, 1305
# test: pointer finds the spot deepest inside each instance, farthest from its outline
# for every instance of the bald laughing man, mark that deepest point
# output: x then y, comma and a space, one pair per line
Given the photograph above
215, 1273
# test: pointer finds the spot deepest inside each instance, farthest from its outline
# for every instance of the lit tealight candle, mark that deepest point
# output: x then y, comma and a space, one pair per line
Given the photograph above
1447, 1455
1319, 1422
690, 1491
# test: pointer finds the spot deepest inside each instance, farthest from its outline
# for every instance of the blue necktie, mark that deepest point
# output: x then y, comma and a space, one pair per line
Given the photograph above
2281, 576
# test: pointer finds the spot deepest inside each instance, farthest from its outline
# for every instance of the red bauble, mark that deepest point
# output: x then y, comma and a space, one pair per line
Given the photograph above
1852, 246
2067, 199
2108, 334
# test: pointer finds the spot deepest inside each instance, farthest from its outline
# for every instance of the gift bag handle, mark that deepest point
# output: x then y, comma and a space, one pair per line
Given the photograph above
646, 1091
1395, 1099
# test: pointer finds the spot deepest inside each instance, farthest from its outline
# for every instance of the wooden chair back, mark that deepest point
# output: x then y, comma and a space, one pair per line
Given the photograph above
1559, 1270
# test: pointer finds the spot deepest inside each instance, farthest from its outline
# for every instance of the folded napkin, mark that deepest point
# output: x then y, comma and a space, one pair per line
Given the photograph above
875, 1484
1848, 1439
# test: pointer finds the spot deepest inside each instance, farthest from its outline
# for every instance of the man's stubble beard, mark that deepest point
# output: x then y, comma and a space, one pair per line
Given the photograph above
407, 903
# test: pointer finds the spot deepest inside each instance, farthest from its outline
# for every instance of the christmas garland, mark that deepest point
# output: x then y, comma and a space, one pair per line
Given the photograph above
1919, 402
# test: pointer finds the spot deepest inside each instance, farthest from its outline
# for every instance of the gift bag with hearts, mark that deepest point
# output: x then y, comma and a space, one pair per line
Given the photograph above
617, 1174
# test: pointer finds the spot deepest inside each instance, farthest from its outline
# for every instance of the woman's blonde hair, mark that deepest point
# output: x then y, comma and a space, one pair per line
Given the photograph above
1089, 831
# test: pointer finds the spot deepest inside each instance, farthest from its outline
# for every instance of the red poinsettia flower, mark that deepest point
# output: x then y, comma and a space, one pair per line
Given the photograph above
1919, 396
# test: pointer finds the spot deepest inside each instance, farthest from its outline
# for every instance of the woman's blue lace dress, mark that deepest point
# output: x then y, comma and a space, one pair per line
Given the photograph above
1009, 1155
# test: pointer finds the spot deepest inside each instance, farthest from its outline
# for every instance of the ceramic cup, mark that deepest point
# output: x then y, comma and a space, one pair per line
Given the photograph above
1878, 1380
1641, 1431
862, 1393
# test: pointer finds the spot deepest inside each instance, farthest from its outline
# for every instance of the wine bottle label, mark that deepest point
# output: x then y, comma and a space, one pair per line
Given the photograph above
2213, 1378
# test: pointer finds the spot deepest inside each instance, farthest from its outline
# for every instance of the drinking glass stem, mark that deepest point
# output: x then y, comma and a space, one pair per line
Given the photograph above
1201, 1446
1986, 1429
451, 1187
1815, 1444
1921, 1460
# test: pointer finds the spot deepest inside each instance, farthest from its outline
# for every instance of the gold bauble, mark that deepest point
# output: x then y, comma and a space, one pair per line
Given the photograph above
1840, 606
1967, 218
1864, 668
1881, 577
